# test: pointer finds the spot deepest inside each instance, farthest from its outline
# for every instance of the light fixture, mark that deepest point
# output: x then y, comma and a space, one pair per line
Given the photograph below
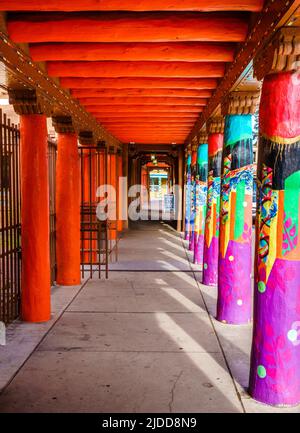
153, 157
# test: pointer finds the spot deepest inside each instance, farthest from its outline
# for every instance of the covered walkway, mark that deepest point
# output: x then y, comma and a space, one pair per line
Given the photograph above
143, 341
119, 111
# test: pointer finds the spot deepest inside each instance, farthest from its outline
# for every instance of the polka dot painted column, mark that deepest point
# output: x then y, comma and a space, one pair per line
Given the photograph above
234, 284
275, 360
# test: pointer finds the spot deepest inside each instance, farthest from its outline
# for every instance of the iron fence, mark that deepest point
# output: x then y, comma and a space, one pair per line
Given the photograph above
10, 226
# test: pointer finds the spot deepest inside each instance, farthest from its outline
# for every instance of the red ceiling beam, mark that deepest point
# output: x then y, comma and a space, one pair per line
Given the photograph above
149, 114
142, 108
131, 5
170, 93
135, 69
143, 101
128, 27
138, 83
181, 51
142, 121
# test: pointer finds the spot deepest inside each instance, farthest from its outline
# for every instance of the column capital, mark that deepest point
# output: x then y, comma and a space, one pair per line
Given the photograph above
241, 102
194, 144
282, 54
63, 124
101, 144
202, 137
119, 151
27, 101
112, 150
86, 138
215, 125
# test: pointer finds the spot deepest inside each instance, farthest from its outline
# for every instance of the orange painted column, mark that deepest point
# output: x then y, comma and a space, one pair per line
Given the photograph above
67, 210
35, 296
112, 180
119, 192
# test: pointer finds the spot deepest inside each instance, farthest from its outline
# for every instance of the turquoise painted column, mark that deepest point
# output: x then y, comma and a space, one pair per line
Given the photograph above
200, 197
235, 250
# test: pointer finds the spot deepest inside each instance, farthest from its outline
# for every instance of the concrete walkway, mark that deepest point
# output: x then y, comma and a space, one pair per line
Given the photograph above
143, 341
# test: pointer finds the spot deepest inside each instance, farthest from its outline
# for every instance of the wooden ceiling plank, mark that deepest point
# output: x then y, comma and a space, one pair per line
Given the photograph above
131, 5
143, 101
153, 93
138, 83
128, 27
175, 51
136, 69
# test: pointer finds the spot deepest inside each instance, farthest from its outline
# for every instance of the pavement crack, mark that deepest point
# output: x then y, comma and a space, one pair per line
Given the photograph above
173, 391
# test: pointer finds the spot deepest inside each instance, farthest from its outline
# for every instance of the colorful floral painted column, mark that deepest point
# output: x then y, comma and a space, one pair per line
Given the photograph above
201, 198
275, 363
215, 129
235, 255
193, 194
188, 160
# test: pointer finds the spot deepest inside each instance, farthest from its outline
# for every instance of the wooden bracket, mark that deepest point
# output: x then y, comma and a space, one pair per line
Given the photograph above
215, 125
282, 54
27, 101
241, 103
63, 124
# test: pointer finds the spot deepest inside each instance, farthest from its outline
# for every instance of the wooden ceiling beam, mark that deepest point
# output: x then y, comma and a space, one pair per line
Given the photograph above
153, 93
150, 114
175, 51
142, 108
131, 5
143, 101
138, 122
128, 27
136, 69
139, 83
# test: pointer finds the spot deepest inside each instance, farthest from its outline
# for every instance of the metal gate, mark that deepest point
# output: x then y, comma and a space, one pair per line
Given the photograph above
94, 239
10, 233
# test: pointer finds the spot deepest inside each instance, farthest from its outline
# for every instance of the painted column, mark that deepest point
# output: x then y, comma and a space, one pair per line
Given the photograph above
188, 161
112, 180
119, 191
275, 372
35, 295
215, 129
125, 192
201, 198
67, 204
179, 191
235, 256
193, 195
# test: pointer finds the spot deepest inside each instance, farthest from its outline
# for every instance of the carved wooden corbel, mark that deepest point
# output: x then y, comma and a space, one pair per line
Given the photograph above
282, 54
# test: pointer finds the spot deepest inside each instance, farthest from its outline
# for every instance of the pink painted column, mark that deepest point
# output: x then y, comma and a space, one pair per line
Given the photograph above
215, 129
275, 360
